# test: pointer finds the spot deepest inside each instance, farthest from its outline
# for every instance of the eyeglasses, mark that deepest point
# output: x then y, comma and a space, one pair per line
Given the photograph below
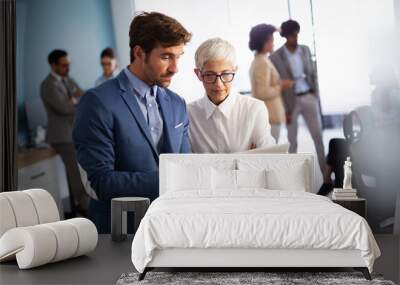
225, 77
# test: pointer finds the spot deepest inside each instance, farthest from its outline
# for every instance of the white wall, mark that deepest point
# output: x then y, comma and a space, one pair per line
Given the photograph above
397, 36
355, 42
122, 14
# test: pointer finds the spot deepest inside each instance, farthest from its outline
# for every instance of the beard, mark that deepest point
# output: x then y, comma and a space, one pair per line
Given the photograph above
162, 80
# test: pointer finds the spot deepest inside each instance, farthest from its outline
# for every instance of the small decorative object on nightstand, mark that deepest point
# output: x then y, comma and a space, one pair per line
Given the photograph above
348, 192
357, 205
119, 209
344, 194
347, 174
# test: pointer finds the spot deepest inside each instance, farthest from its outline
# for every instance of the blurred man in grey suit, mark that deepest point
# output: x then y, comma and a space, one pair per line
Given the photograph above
60, 94
293, 61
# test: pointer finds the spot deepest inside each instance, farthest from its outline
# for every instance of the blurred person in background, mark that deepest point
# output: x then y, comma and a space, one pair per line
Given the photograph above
265, 81
294, 62
60, 95
109, 64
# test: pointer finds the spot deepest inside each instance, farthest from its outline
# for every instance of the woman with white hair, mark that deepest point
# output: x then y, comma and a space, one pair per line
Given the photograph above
224, 121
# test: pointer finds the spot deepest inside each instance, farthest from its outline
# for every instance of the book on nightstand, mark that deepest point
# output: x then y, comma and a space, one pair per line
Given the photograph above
344, 194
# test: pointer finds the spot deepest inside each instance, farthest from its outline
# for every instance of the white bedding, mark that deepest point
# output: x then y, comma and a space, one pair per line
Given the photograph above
251, 218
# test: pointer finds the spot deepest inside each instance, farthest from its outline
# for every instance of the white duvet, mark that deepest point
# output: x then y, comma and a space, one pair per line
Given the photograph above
252, 218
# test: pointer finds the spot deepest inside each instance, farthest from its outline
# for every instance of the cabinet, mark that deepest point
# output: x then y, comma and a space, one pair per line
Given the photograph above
43, 168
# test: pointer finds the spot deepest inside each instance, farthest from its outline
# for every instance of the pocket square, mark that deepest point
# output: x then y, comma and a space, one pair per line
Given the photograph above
178, 125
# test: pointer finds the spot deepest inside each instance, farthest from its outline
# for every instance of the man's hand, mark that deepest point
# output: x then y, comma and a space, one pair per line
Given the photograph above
252, 146
74, 100
286, 84
76, 96
78, 93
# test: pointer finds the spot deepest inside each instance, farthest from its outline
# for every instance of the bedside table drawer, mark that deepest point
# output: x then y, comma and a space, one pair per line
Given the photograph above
358, 206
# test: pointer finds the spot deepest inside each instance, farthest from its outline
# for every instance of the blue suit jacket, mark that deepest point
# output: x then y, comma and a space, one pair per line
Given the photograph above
113, 141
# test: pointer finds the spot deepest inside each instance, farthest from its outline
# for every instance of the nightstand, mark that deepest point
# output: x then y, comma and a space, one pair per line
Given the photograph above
119, 208
358, 206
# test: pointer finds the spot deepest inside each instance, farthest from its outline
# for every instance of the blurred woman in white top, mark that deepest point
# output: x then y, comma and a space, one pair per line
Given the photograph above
224, 121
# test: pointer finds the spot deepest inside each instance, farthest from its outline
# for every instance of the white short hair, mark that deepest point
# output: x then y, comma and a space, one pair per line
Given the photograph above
215, 49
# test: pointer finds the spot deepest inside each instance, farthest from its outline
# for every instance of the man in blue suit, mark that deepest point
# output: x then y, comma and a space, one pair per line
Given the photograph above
123, 125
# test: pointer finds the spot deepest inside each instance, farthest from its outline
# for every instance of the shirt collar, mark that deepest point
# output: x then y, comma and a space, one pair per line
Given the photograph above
138, 85
296, 51
56, 76
225, 107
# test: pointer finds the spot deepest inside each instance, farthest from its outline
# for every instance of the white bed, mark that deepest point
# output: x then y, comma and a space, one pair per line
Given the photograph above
248, 210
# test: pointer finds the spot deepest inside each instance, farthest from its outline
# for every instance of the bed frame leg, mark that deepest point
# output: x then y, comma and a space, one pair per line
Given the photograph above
364, 271
143, 274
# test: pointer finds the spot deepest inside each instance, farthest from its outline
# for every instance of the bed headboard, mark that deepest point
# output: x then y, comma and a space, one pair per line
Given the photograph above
237, 161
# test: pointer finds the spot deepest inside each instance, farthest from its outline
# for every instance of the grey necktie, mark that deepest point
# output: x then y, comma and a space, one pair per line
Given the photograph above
64, 81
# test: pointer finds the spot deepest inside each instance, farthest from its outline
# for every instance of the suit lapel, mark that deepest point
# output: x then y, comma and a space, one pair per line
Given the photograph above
59, 85
306, 65
166, 113
133, 106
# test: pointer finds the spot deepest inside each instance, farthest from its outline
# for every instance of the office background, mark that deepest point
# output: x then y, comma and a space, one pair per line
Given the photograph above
353, 43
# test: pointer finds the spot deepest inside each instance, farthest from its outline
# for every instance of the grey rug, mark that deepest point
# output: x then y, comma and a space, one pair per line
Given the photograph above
243, 278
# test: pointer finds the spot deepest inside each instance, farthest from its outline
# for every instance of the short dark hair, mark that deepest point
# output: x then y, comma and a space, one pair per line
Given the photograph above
289, 27
259, 35
55, 55
107, 52
148, 30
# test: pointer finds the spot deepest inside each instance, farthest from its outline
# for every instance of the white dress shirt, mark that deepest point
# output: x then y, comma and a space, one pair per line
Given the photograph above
234, 125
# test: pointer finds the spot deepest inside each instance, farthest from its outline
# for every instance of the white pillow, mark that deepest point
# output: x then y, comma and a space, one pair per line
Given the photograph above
293, 180
226, 179
251, 178
282, 173
223, 179
183, 177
